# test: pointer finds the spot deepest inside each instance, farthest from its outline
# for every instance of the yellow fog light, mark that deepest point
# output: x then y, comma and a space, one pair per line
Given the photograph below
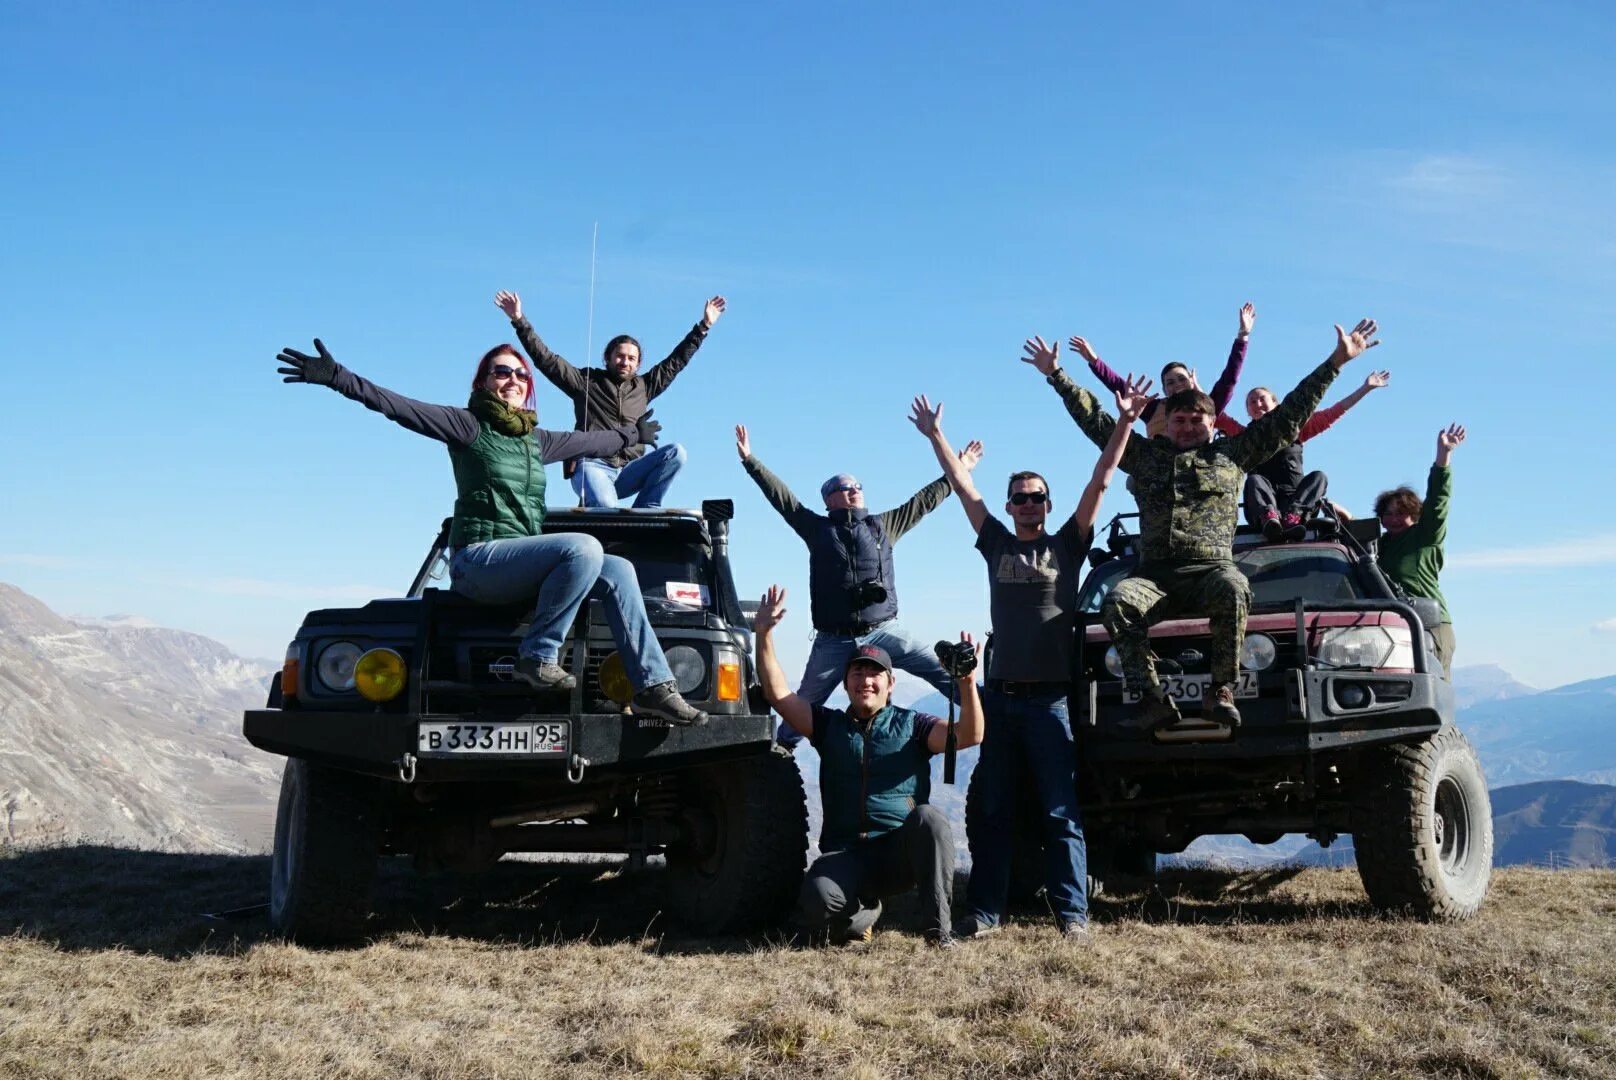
729, 681
379, 675
614, 680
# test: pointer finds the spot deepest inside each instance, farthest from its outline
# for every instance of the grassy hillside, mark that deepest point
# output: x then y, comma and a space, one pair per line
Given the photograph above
107, 970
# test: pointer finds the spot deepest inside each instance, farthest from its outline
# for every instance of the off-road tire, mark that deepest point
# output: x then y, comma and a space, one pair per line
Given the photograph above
1118, 866
328, 831
745, 869
1423, 828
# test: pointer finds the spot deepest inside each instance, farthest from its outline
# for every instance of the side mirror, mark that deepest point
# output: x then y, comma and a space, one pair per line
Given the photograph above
1429, 610
1099, 556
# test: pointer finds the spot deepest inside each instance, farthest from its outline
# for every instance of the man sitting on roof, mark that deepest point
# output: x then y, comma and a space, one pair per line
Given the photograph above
1279, 497
1186, 485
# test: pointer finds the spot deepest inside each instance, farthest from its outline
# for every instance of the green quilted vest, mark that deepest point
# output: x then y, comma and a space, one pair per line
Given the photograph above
499, 488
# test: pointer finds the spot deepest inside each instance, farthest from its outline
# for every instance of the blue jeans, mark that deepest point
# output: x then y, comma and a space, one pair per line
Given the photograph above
827, 665
563, 569
1031, 734
650, 475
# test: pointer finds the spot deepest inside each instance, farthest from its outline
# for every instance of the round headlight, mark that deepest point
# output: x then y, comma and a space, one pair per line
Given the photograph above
1113, 662
614, 680
379, 675
688, 668
1257, 652
336, 665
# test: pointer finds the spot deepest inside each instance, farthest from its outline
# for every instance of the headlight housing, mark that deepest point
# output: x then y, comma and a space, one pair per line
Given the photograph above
688, 667
1366, 647
1257, 652
1113, 662
379, 675
614, 680
335, 668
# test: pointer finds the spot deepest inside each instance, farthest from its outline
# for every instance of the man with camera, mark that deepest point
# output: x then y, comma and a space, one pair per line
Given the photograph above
1033, 577
850, 574
880, 836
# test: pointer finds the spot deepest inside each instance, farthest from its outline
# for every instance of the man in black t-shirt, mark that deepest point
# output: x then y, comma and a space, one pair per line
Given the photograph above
1033, 577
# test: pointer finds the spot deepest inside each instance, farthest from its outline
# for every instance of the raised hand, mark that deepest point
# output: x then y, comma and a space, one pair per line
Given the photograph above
1041, 355
1083, 349
321, 370
1132, 399
972, 454
927, 420
743, 444
1377, 379
1450, 437
771, 609
710, 313
509, 303
1248, 318
1360, 341
649, 430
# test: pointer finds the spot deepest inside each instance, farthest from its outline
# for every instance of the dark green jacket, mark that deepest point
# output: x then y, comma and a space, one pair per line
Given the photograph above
1413, 557
1189, 499
872, 773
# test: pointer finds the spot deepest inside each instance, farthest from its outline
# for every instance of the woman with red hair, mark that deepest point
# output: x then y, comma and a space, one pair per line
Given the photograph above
499, 555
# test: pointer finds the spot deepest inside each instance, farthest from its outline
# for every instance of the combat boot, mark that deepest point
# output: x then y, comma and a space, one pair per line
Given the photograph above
1220, 705
1153, 711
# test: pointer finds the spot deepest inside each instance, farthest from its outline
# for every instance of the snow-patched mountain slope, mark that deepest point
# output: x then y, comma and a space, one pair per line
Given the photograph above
119, 730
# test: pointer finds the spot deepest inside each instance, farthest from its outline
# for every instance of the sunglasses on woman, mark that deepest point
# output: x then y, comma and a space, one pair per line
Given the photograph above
1021, 498
500, 371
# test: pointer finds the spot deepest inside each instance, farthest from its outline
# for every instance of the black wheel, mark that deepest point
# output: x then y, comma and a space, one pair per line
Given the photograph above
1026, 841
1423, 828
328, 831
741, 866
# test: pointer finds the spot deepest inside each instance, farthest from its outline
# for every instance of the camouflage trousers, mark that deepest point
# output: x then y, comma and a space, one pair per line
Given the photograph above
1169, 588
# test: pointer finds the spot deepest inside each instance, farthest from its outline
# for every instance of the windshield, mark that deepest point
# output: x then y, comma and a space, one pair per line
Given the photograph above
1278, 575
673, 577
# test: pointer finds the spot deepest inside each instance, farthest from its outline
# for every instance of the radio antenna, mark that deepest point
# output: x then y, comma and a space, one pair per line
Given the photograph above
589, 349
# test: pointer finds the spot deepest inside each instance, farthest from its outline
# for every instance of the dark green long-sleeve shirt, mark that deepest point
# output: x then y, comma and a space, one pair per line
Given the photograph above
1189, 499
1413, 557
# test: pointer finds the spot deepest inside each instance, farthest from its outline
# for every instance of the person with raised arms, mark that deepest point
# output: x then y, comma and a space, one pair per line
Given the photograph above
615, 394
1033, 577
881, 836
498, 553
1411, 551
1188, 485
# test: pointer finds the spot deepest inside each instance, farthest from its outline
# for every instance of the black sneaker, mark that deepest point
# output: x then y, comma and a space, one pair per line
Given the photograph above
861, 927
1272, 529
1293, 527
1154, 710
940, 939
662, 699
1220, 705
543, 674
971, 928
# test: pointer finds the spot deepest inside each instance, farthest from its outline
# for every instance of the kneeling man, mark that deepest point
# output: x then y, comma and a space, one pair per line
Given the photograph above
880, 836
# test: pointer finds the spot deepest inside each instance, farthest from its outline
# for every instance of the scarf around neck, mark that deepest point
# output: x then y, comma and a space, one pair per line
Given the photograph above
491, 409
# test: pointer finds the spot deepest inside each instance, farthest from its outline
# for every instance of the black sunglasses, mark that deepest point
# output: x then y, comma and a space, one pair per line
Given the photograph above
1037, 498
519, 374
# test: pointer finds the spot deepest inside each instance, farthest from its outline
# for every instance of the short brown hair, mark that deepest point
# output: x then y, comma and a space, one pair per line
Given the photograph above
1191, 400
1400, 500
1010, 488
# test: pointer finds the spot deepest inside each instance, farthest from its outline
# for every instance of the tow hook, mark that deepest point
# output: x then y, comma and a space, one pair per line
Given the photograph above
406, 768
575, 768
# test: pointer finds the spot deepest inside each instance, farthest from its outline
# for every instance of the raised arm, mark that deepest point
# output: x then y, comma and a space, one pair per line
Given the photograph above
1109, 378
900, 520
1279, 428
1322, 420
1439, 487
660, 376
457, 427
799, 517
568, 379
929, 422
792, 709
1223, 389
968, 729
1082, 405
1131, 402
601, 442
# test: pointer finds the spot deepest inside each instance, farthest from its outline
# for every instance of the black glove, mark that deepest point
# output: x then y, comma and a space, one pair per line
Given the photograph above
300, 367
648, 429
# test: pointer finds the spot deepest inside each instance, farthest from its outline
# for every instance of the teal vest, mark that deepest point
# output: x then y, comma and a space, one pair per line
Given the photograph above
499, 488
871, 776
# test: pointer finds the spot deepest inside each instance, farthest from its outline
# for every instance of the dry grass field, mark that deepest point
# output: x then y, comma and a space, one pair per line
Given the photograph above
107, 969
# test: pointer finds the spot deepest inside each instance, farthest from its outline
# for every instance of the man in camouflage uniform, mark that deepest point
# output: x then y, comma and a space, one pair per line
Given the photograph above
1188, 487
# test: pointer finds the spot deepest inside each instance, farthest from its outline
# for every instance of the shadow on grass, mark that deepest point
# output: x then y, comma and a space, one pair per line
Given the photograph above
89, 897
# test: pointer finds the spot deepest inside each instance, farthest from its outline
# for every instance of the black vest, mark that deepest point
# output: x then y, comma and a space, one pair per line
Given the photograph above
1284, 469
845, 548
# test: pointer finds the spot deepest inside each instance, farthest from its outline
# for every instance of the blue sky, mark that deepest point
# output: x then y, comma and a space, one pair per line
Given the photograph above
891, 197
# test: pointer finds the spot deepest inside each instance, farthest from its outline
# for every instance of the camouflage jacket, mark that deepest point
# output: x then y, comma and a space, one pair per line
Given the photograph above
1189, 499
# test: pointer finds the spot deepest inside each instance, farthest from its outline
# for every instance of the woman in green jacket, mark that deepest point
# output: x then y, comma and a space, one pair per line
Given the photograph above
1411, 551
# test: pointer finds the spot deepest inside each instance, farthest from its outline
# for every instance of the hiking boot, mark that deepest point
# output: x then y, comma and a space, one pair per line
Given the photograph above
1220, 705
971, 928
941, 939
1293, 528
543, 674
1153, 711
1272, 529
860, 928
662, 699
1073, 928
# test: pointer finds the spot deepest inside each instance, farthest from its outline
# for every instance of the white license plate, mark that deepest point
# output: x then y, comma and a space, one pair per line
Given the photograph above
1194, 688
526, 739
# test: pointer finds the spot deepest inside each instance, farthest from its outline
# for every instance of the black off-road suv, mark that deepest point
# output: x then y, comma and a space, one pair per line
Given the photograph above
406, 733
1347, 729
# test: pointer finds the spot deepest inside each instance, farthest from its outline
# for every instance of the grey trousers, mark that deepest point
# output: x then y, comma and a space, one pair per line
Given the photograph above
919, 854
